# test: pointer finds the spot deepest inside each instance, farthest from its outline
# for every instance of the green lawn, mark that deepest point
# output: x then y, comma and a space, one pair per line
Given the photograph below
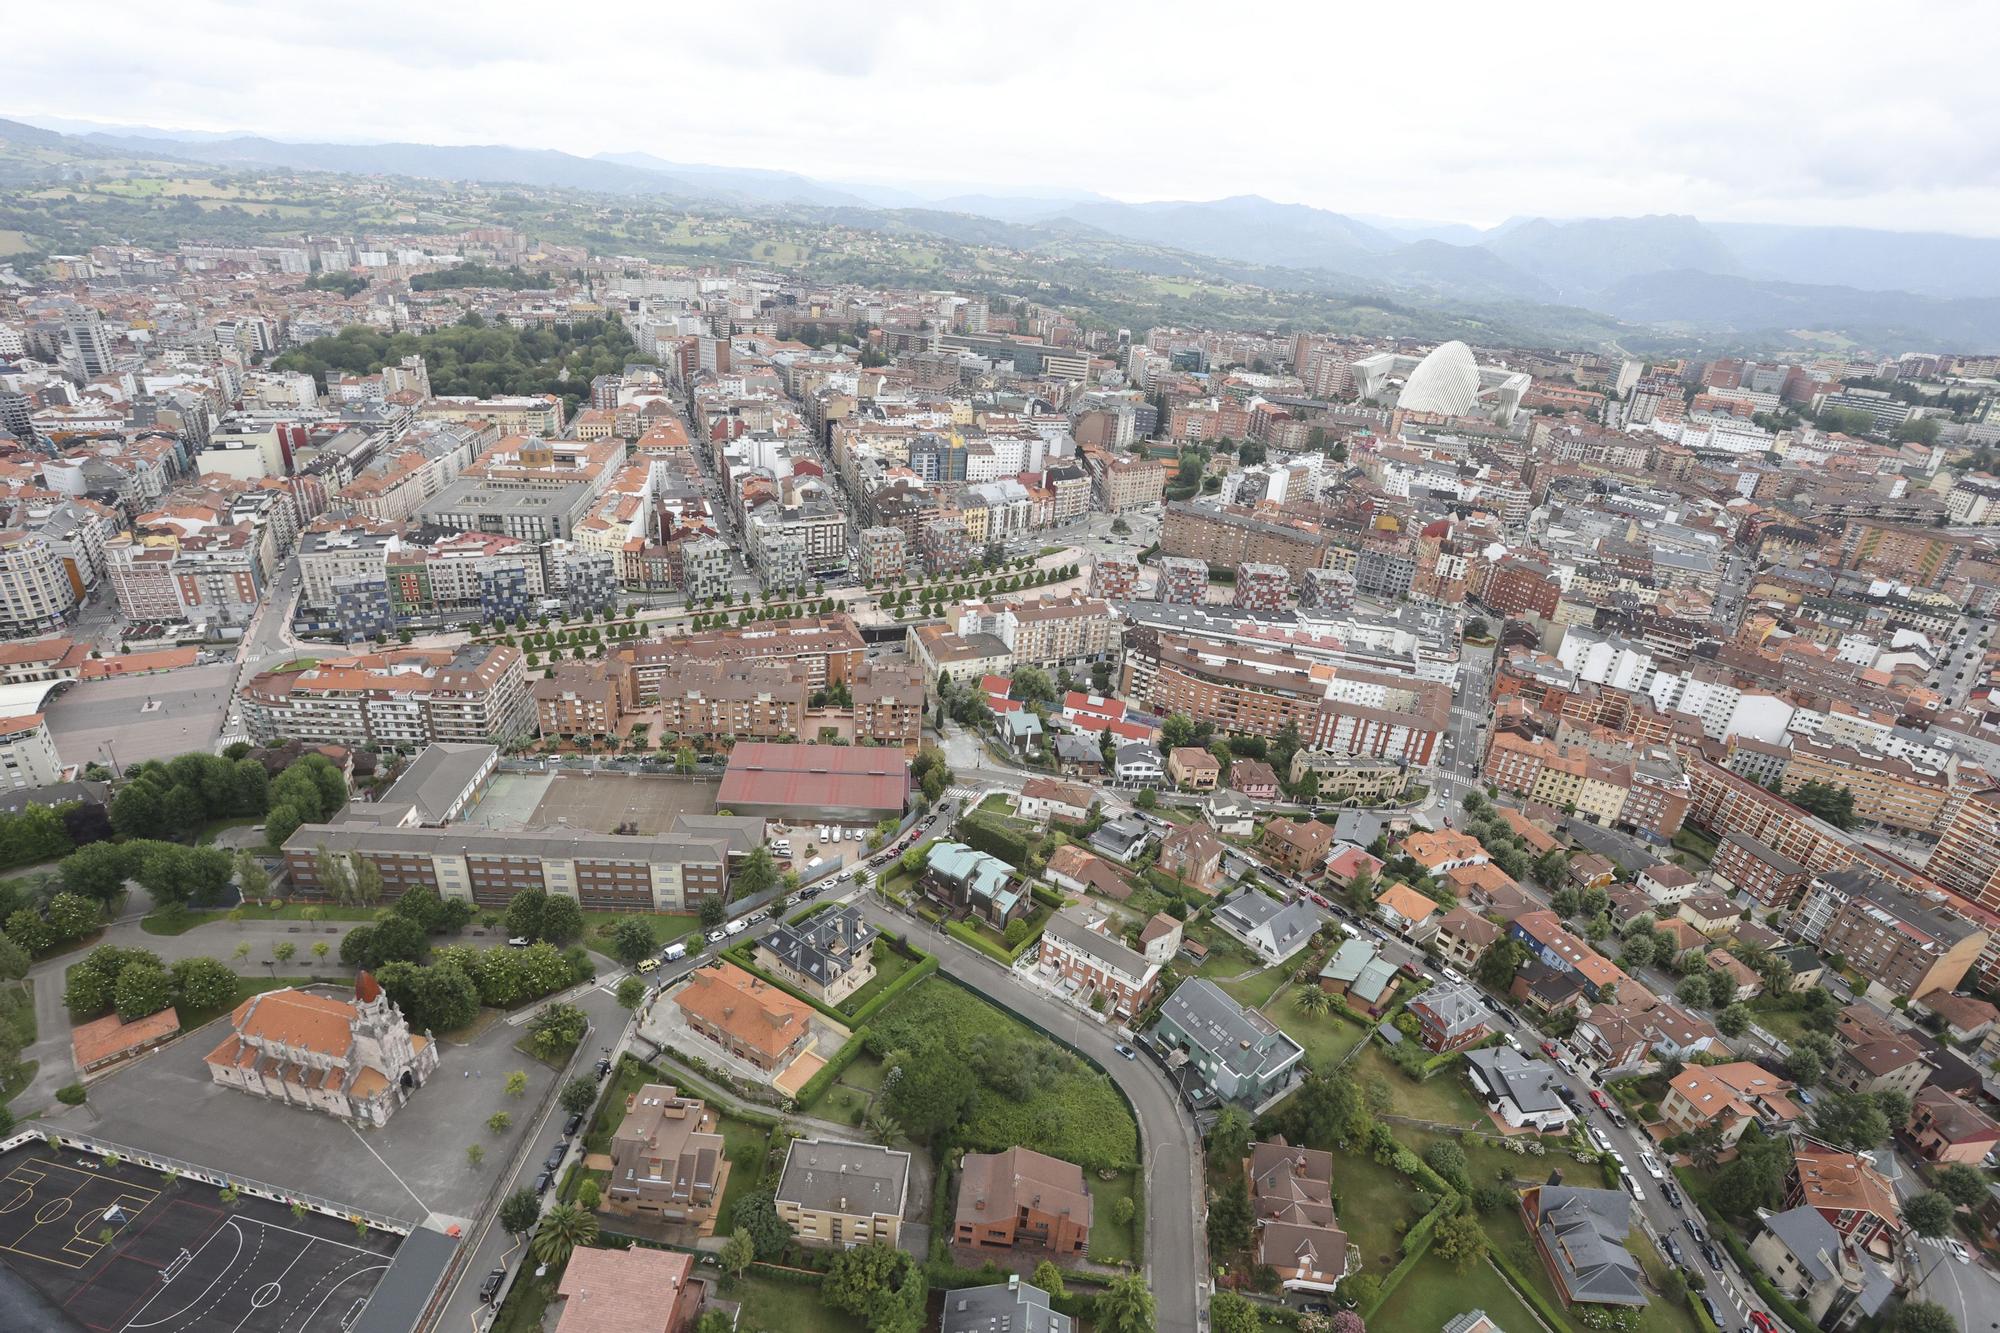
1435, 1291
666, 926
1444, 1099
889, 964
1111, 1243
1327, 1038
1376, 1204
627, 1077
997, 804
18, 1076
1787, 1025
745, 1145
17, 1013
215, 826
1071, 1109
1255, 991
527, 1300
180, 920
772, 1305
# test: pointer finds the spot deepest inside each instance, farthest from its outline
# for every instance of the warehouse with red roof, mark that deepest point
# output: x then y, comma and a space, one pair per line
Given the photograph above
815, 783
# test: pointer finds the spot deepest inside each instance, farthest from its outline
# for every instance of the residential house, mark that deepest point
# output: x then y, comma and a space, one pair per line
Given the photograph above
1291, 1199
1444, 849
1407, 912
1361, 976
1588, 870
1013, 1305
1484, 880
1710, 913
667, 1160
1193, 768
1122, 839
1544, 989
1830, 1281
1298, 849
1884, 1064
1846, 1189
1580, 1234
1808, 968
1239, 1054
1347, 861
829, 955
1193, 853
1020, 731
1749, 984
971, 883
1544, 935
1043, 799
1730, 1097
1945, 1128
1666, 883
1272, 930
1230, 813
1966, 1018
1255, 779
1160, 938
843, 1194
635, 1290
746, 1016
1071, 867
1079, 756
1519, 1091
1139, 762
1450, 1017
1022, 1199
1463, 937
1080, 957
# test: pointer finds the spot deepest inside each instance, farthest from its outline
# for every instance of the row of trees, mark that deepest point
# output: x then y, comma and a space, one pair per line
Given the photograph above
447, 992
134, 983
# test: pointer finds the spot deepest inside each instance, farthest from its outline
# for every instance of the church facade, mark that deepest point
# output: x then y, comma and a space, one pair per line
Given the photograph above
353, 1059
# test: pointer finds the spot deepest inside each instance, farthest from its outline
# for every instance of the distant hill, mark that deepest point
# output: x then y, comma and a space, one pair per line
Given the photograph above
739, 183
1728, 303
1930, 263
1245, 227
1576, 258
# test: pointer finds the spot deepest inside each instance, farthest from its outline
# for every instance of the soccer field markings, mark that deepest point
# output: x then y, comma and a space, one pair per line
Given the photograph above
236, 1269
51, 1209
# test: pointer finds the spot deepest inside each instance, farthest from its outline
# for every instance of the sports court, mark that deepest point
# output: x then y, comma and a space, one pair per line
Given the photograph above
602, 801
120, 1251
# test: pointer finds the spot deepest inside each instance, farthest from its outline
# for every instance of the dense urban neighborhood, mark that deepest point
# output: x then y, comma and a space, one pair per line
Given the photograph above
551, 785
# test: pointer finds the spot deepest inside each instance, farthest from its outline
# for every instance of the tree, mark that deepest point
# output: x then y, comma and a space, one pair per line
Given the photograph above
1733, 1021
759, 872
474, 1155
1176, 731
499, 1122
1961, 1184
143, 989
631, 992
136, 812
1924, 1317
1126, 1306
1229, 1137
1834, 804
757, 1213
578, 1095
517, 1083
1497, 966
98, 871
1460, 1239
1229, 1216
202, 983
563, 1228
1448, 1160
631, 941
1230, 1313
930, 1094
858, 1278
557, 1029
711, 913
71, 916
253, 882
737, 1252
1928, 1214
524, 914
1850, 1120
1696, 989
562, 921
284, 950
1048, 1277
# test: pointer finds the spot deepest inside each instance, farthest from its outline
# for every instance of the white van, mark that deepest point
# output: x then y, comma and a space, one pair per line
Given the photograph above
674, 951
738, 926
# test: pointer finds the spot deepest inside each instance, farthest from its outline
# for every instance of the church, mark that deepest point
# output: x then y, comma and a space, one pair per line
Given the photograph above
356, 1059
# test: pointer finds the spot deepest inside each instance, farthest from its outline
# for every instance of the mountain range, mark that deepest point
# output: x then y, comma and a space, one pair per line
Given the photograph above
1741, 281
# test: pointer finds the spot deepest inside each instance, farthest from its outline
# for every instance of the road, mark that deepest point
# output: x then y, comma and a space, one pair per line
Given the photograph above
1970, 1292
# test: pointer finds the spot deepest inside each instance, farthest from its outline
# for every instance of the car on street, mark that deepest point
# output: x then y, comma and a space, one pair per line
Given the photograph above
603, 1068
1713, 1255
1673, 1194
490, 1286
1652, 1165
649, 964
572, 1125
1562, 1063
1601, 1139
1762, 1322
1549, 1049
1603, 1102
1673, 1250
543, 1181
519, 942
1714, 1308
716, 937
555, 1157
1126, 1051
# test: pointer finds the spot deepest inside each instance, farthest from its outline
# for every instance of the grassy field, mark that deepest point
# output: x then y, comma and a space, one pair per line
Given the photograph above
745, 1145
1255, 991
666, 926
527, 1301
1072, 1112
1787, 1025
771, 1305
1110, 1242
1444, 1099
889, 964
179, 921
14, 242
1327, 1038
17, 1012
1435, 1291
1376, 1205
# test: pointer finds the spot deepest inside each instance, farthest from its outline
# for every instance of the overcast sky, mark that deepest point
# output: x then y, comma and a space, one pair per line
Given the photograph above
1830, 113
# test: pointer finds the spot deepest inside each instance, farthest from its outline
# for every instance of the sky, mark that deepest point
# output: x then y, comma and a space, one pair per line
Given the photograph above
1778, 111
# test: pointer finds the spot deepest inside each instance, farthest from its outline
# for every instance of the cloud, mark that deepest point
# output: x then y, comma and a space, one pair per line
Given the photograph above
1449, 110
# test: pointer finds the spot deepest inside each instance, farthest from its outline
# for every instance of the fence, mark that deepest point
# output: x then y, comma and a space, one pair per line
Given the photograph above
57, 1139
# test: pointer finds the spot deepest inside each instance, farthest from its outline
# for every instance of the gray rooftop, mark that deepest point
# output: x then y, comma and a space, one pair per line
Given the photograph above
857, 1179
1249, 914
1809, 1236
1456, 1006
357, 835
438, 777
1241, 1040
406, 1289
823, 946
1583, 1232
1529, 1084
1067, 927
1005, 1307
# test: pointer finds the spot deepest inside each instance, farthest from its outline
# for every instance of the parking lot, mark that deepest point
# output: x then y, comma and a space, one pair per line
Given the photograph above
135, 718
118, 1248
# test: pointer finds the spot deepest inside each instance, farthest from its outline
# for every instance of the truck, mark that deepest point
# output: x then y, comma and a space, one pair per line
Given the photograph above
674, 951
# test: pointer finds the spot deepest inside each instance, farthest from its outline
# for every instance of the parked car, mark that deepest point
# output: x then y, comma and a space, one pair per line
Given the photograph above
555, 1157
1652, 1165
1603, 1102
490, 1286
1763, 1322
519, 942
715, 937
572, 1125
543, 1181
1601, 1139
1713, 1255
1714, 1309
1673, 1195
1549, 1049
603, 1068
1562, 1063
1673, 1250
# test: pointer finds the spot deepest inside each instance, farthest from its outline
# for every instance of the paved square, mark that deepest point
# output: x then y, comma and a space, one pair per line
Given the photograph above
141, 717
176, 1259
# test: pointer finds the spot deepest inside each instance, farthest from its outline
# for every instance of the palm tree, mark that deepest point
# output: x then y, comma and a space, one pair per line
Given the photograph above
883, 1125
1313, 1000
563, 1228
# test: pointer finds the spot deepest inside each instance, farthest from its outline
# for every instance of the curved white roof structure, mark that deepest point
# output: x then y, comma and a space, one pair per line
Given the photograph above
1445, 383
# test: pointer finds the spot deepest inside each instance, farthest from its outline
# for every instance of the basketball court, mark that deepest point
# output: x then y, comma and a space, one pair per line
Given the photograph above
120, 1251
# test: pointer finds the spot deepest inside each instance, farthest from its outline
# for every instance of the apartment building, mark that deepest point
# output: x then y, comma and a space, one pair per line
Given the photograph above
1731, 1097
1114, 578
36, 596
404, 697
883, 554
1902, 944
1120, 484
843, 1194
829, 649
1049, 632
667, 1159
1231, 535
1894, 793
1744, 864
27, 753
1967, 855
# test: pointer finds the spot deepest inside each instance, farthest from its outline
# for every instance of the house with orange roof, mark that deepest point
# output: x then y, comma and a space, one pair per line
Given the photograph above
106, 1041
355, 1059
1856, 1200
746, 1016
1444, 850
1406, 911
1545, 937
1537, 838
1730, 1097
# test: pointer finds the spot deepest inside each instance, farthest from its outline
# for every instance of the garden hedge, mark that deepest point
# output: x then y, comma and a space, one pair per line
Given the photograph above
816, 1086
